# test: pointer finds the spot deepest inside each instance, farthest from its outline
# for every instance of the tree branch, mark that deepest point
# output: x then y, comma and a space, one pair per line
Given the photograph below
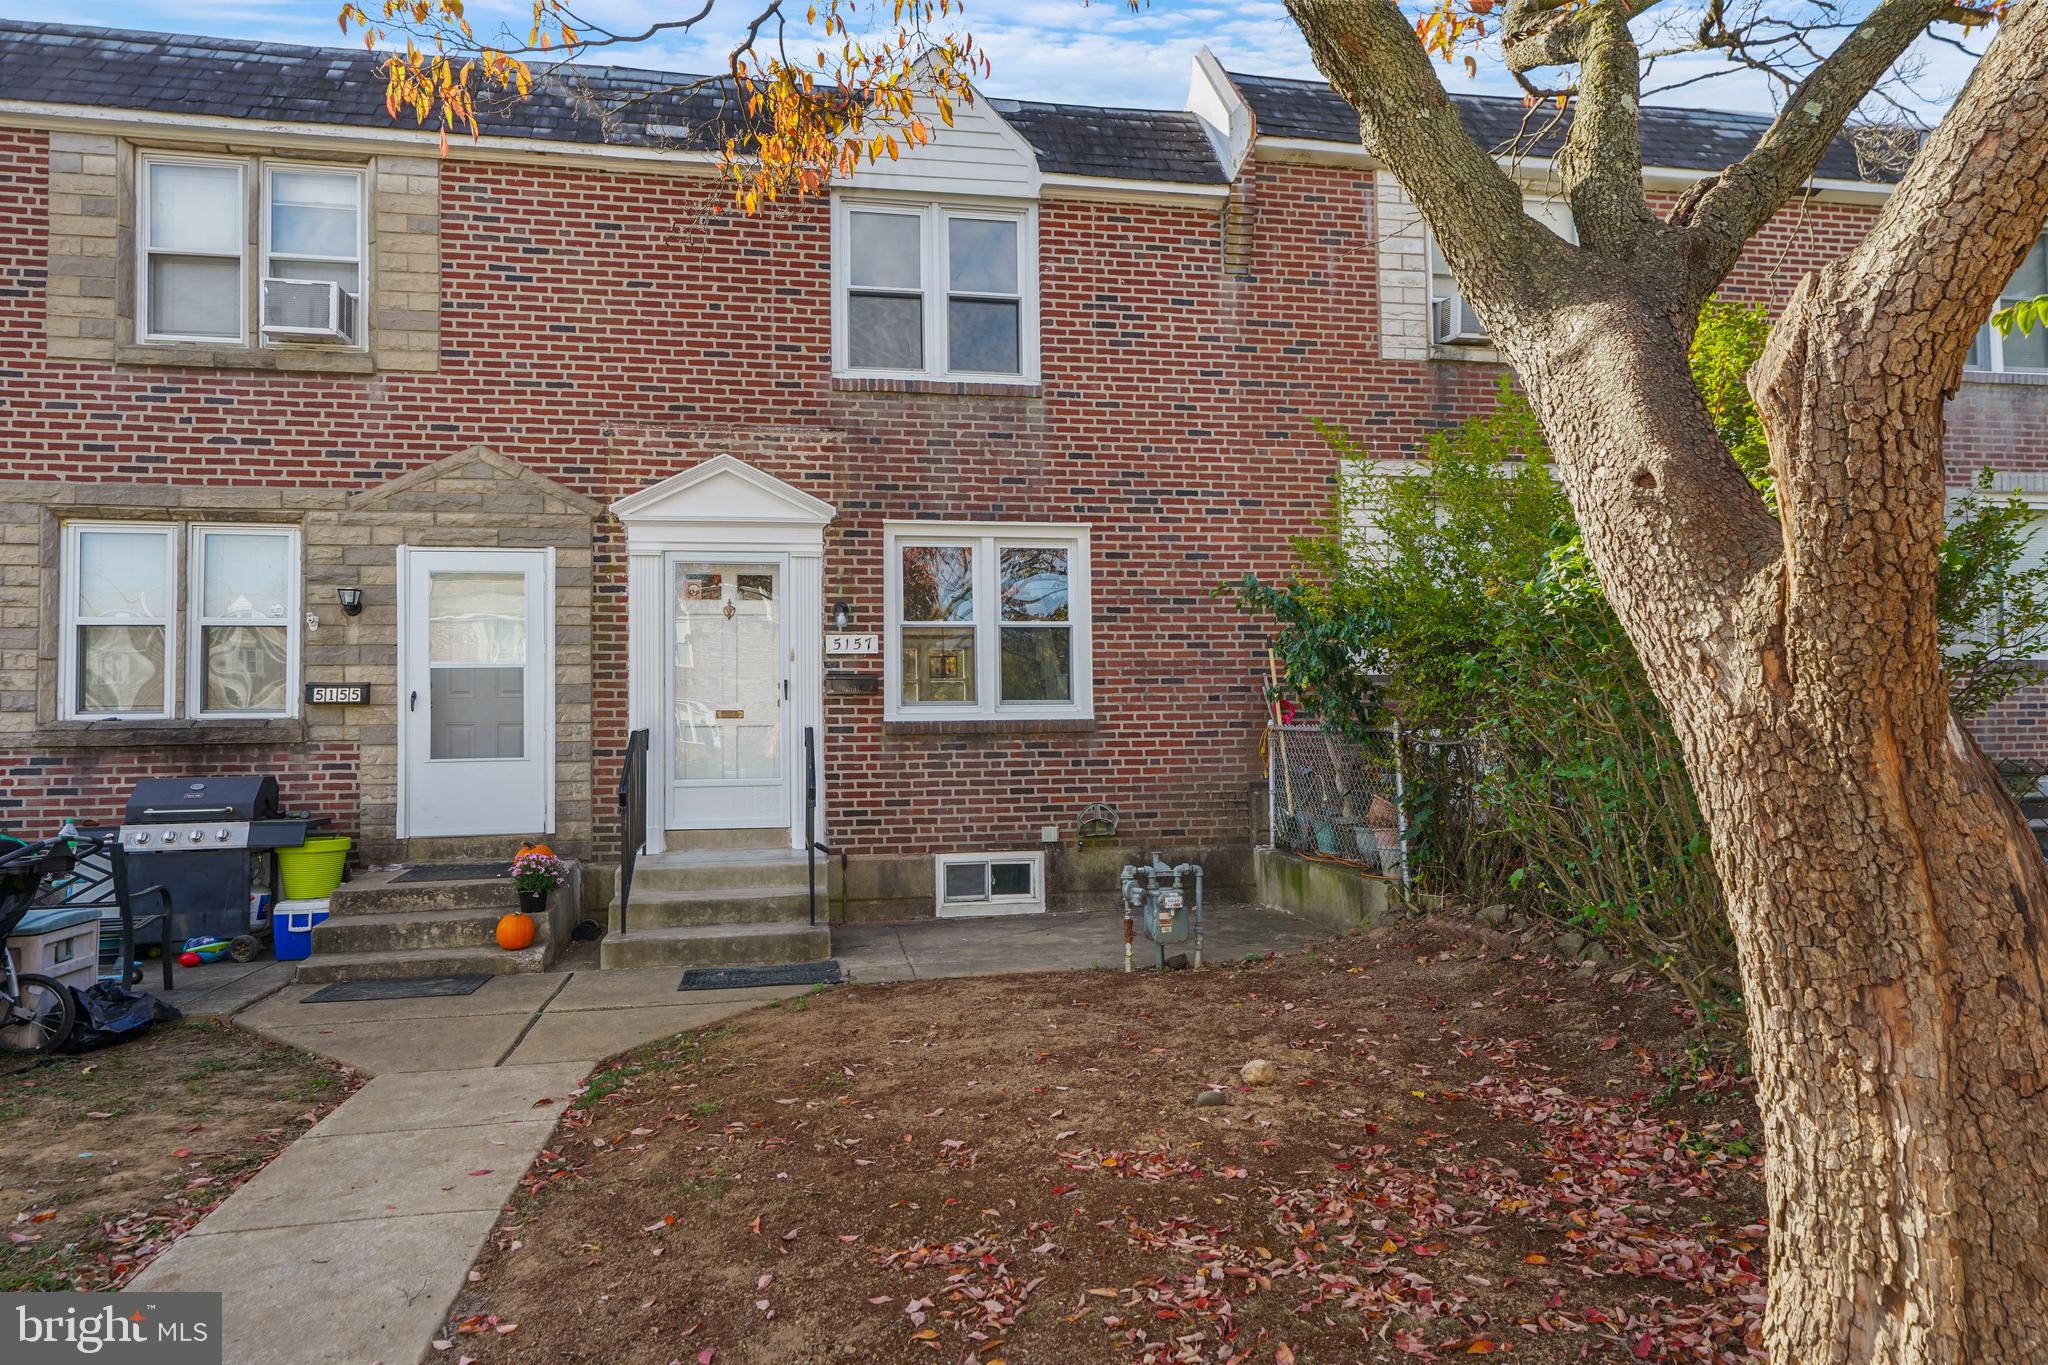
1368, 51
1719, 216
1602, 159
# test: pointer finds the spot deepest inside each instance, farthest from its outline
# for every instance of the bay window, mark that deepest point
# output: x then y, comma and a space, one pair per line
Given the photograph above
935, 291
987, 621
2016, 353
121, 638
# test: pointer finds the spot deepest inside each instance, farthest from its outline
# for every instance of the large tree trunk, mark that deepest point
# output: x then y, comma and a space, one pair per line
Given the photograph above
1888, 903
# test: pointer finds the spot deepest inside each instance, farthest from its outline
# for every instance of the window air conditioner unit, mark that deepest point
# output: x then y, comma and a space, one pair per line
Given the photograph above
308, 310
1453, 323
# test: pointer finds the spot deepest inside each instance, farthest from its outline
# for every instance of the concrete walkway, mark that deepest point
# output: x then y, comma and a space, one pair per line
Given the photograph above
352, 1245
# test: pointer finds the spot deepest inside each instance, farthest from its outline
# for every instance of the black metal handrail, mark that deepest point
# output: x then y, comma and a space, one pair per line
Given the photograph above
812, 848
632, 815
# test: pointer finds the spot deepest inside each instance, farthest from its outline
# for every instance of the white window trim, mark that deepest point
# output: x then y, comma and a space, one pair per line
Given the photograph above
362, 257
987, 536
934, 280
1030, 904
145, 325
197, 620
70, 702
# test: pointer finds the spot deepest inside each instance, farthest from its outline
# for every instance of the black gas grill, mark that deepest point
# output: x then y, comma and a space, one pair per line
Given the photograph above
198, 838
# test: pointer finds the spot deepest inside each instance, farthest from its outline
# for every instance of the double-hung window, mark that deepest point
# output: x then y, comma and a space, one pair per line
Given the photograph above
935, 291
193, 245
2018, 353
203, 270
123, 632
987, 621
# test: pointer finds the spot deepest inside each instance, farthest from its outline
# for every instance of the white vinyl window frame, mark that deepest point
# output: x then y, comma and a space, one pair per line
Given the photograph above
987, 540
146, 250
1993, 342
361, 260
990, 903
201, 536
71, 702
935, 278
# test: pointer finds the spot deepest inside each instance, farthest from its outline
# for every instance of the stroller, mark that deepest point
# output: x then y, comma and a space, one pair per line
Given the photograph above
37, 1014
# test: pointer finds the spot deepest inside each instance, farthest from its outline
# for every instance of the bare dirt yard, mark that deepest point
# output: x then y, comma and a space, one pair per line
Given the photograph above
1462, 1152
108, 1157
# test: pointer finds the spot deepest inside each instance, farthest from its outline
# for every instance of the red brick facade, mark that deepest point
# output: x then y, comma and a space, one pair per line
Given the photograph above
598, 329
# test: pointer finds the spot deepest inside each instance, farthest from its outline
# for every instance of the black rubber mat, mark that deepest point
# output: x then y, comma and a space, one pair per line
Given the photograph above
401, 988
826, 973
453, 872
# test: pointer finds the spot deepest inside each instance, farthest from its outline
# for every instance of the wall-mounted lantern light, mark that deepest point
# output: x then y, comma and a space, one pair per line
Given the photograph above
842, 616
351, 601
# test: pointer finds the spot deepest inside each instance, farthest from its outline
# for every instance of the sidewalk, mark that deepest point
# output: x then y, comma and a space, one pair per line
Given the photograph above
351, 1246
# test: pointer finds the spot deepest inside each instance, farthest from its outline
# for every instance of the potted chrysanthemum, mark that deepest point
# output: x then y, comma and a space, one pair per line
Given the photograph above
536, 872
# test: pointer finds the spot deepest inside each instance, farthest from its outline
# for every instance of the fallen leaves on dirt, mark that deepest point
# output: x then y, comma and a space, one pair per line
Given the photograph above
177, 1119
1462, 1160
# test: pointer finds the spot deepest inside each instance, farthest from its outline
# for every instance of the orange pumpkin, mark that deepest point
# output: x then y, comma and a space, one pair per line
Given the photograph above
515, 931
536, 848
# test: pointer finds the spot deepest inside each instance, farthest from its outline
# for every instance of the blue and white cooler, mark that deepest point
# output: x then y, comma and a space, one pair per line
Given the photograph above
292, 928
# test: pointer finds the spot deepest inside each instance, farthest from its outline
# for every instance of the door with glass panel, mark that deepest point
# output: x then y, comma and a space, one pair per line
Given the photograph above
729, 753
476, 729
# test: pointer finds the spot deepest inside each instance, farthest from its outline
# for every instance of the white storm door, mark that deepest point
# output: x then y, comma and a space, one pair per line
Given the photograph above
728, 688
476, 693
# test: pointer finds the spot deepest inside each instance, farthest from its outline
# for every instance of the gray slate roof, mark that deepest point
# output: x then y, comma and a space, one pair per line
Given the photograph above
236, 78
1683, 139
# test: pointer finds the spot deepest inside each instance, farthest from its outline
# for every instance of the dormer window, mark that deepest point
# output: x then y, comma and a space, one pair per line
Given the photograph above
937, 291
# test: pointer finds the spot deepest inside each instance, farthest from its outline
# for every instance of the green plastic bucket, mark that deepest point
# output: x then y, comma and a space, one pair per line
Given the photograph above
313, 869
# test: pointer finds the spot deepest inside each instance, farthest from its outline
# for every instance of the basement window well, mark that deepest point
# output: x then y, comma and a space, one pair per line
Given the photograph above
989, 884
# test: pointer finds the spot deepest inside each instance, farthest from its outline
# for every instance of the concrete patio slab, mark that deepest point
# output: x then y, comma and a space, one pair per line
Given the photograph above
589, 1034
217, 990
376, 1289
520, 993
599, 990
455, 1043
408, 1101
319, 1181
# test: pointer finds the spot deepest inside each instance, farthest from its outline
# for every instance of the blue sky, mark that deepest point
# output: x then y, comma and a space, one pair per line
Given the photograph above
1084, 51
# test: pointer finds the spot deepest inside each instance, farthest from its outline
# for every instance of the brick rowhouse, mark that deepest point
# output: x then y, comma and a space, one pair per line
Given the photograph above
596, 330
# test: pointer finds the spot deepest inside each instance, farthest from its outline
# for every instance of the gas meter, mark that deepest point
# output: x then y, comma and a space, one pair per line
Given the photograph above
1155, 902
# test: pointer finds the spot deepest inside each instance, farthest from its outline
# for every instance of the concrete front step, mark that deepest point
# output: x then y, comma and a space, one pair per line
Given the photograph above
716, 945
724, 870
410, 929
658, 909
383, 897
391, 964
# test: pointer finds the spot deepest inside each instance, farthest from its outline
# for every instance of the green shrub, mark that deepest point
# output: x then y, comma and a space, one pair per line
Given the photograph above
1454, 592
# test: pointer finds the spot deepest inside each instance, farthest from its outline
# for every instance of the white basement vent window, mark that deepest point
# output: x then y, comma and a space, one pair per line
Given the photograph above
990, 883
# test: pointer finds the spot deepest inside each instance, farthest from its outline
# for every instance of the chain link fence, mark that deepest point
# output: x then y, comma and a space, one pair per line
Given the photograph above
1333, 797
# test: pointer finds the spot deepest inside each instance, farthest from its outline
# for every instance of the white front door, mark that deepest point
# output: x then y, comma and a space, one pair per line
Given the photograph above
728, 684
476, 733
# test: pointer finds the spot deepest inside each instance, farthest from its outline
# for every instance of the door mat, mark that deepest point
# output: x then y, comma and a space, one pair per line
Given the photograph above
453, 872
826, 973
403, 988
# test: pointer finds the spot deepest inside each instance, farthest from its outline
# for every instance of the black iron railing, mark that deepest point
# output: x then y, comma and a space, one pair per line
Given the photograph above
812, 848
632, 816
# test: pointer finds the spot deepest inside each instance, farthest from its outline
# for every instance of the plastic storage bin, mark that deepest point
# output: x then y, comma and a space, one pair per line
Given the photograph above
313, 869
291, 924
59, 943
